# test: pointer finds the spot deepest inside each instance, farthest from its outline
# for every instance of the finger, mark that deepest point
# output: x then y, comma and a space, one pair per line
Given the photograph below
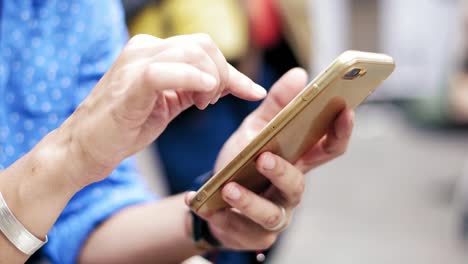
284, 176
196, 56
257, 208
205, 214
189, 54
226, 238
236, 231
230, 79
189, 196
333, 144
207, 44
281, 93
243, 87
158, 77
142, 47
143, 42
338, 137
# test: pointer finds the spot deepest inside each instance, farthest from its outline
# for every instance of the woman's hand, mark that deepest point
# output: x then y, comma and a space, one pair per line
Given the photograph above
254, 221
151, 82
330, 146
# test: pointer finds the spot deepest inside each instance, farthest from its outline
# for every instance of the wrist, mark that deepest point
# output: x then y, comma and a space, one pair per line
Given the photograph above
202, 236
188, 227
189, 233
83, 168
53, 154
38, 183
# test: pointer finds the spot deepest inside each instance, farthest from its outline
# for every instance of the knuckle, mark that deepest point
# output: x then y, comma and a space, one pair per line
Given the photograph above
195, 53
244, 204
138, 38
297, 194
148, 73
204, 38
192, 75
280, 168
272, 220
177, 53
206, 41
231, 224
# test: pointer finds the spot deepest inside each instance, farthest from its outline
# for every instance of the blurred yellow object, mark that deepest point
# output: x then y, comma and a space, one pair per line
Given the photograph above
225, 21
149, 21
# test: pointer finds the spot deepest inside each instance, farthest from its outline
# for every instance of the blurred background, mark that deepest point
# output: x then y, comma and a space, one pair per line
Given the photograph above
400, 193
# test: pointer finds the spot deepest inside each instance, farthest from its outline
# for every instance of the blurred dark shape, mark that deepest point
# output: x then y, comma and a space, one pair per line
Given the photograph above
133, 7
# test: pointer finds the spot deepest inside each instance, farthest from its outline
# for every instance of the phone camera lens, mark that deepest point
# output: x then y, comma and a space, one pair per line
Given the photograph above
353, 73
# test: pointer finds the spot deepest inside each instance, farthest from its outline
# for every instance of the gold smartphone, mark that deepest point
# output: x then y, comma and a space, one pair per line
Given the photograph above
348, 81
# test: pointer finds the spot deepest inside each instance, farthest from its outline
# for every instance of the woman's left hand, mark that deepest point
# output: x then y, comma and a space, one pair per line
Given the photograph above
254, 221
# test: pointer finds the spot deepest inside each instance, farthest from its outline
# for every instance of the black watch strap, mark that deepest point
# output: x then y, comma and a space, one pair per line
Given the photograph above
201, 234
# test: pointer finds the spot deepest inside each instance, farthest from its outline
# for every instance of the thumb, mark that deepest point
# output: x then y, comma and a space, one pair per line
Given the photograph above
281, 93
188, 197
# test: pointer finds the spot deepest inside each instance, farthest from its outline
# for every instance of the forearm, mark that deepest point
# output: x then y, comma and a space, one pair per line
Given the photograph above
154, 232
36, 190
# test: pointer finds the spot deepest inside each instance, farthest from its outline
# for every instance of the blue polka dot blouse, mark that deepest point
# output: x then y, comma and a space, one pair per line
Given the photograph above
52, 53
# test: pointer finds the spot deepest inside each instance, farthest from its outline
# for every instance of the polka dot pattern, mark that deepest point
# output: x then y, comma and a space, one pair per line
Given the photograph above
51, 56
52, 53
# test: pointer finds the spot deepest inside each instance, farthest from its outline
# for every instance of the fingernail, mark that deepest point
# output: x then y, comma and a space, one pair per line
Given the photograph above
208, 80
260, 91
339, 133
269, 162
233, 192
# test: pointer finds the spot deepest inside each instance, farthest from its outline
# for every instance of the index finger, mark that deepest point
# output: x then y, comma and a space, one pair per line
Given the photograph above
281, 93
241, 86
230, 79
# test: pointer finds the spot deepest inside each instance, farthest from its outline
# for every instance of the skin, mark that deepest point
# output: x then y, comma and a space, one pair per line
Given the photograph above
237, 229
243, 225
151, 82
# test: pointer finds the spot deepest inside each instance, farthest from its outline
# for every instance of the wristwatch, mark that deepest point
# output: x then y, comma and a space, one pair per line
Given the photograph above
201, 234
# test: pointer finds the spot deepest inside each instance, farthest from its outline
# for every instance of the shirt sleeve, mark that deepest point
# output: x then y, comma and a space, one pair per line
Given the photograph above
92, 206
106, 34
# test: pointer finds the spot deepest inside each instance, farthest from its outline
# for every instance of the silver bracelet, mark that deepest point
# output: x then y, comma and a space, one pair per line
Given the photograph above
18, 235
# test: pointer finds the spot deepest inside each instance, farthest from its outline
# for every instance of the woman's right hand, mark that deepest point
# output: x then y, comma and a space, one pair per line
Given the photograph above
150, 83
